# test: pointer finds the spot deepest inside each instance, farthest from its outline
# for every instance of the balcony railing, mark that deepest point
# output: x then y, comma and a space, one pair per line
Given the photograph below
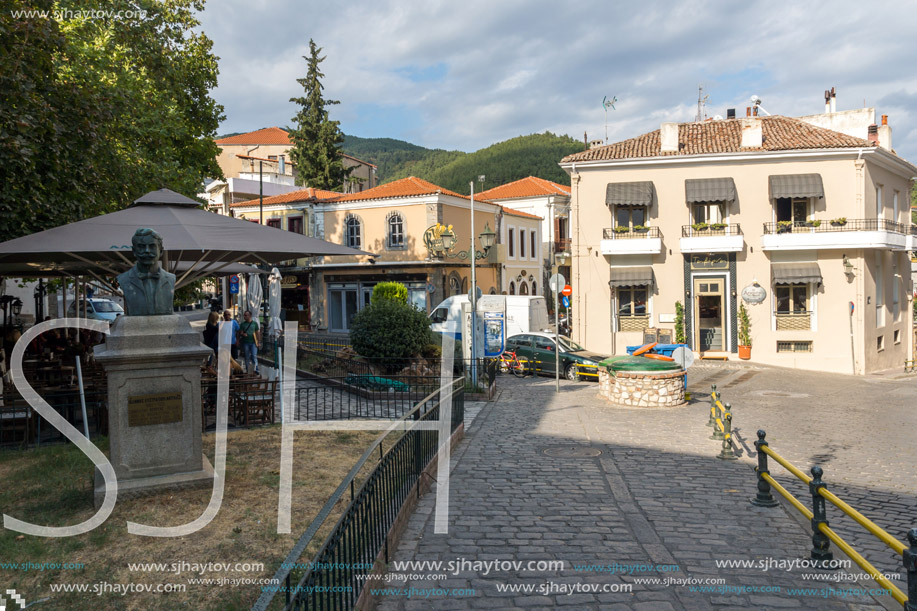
629, 233
832, 226
794, 321
562, 244
700, 231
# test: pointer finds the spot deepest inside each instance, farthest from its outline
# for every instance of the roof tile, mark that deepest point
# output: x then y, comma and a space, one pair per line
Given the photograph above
304, 195
267, 135
531, 186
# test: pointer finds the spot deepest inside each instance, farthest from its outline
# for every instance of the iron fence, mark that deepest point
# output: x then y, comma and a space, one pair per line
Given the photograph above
362, 396
338, 571
630, 233
835, 225
700, 230
22, 426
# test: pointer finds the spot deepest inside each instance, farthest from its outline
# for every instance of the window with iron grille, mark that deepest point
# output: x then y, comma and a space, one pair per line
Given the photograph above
794, 346
632, 314
353, 232
395, 230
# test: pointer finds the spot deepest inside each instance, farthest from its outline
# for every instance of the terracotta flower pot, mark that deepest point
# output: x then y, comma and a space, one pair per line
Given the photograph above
744, 352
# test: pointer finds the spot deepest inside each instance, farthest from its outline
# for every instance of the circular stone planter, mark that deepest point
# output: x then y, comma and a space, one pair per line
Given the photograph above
640, 382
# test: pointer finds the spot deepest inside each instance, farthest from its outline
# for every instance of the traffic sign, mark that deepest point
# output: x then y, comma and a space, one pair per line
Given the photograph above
234, 284
567, 290
565, 301
683, 356
557, 282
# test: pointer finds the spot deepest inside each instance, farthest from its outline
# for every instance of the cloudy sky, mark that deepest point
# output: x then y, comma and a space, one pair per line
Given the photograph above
465, 74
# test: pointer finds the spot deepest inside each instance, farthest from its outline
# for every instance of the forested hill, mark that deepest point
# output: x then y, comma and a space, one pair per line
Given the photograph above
533, 155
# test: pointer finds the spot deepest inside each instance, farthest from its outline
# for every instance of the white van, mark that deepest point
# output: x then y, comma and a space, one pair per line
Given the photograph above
524, 313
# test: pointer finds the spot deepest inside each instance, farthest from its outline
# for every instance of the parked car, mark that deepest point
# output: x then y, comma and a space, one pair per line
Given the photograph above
97, 309
575, 361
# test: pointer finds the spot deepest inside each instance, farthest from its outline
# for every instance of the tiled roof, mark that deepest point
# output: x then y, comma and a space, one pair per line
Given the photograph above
288, 162
267, 135
725, 136
526, 215
531, 186
357, 160
406, 187
304, 195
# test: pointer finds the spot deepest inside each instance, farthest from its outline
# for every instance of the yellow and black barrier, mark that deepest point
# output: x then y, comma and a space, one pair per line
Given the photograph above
721, 421
823, 535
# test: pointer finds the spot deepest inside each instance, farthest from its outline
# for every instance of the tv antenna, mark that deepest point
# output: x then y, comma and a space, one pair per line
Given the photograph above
756, 101
701, 104
606, 104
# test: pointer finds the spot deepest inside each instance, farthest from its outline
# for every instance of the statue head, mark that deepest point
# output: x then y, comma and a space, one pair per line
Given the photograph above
147, 247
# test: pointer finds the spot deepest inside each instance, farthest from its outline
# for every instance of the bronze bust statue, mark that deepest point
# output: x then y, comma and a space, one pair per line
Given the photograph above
148, 289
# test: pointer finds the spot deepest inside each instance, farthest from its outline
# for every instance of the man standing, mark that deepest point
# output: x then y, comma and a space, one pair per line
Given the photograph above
148, 289
251, 341
233, 341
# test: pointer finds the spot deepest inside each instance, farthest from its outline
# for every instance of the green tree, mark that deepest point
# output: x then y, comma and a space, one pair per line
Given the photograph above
317, 140
390, 330
390, 291
94, 112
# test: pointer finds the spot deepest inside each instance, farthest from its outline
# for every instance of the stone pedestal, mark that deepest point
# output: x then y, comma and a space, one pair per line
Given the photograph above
153, 365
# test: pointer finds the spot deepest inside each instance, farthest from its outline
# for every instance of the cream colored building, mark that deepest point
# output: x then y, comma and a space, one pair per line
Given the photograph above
258, 162
808, 226
390, 221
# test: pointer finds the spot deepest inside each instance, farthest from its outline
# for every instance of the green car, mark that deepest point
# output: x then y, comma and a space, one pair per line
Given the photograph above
575, 361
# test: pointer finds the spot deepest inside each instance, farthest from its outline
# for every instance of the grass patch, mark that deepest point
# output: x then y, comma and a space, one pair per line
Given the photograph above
53, 486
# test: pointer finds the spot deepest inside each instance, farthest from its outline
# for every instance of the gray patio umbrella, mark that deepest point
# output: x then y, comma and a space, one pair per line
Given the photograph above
101, 246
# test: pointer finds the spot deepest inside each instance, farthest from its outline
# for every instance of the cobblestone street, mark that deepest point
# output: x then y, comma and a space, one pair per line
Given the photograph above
545, 476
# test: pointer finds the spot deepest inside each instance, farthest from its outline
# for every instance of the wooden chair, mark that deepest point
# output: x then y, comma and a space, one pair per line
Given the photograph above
16, 422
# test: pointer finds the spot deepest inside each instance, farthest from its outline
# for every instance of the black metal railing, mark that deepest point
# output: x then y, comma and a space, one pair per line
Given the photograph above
20, 424
835, 225
338, 571
361, 396
700, 230
629, 233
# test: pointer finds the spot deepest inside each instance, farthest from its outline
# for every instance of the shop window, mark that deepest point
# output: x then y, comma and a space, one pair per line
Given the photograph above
632, 311
395, 230
794, 346
342, 306
630, 216
353, 229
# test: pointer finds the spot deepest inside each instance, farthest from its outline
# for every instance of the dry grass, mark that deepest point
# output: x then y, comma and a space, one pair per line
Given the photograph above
52, 486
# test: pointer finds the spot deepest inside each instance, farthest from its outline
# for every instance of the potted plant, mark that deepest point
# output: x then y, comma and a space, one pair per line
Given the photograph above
700, 226
813, 223
718, 226
839, 222
622, 229
784, 226
641, 229
744, 333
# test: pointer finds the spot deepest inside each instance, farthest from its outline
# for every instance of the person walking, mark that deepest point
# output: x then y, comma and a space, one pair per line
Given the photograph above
234, 340
251, 341
211, 334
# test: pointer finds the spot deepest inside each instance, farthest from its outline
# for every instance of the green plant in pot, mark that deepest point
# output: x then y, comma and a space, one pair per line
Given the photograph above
784, 226
839, 222
744, 333
718, 226
700, 226
622, 229
641, 228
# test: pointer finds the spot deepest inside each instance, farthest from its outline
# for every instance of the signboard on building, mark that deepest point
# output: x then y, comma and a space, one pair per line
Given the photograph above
289, 281
754, 294
712, 261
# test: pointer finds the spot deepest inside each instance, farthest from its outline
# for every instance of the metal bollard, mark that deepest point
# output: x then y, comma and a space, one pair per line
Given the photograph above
821, 553
727, 453
763, 498
712, 420
910, 567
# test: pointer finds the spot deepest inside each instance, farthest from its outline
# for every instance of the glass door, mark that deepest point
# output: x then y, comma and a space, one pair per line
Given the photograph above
708, 314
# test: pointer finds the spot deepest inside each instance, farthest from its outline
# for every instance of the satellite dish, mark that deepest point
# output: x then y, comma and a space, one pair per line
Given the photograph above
755, 99
683, 356
718, 118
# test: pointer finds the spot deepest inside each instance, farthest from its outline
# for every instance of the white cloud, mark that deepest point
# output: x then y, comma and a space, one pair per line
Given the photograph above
514, 67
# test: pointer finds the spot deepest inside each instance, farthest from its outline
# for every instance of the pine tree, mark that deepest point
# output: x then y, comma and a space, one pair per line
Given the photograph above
316, 139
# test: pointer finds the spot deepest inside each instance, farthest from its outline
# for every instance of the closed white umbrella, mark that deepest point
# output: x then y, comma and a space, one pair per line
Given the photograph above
275, 326
255, 295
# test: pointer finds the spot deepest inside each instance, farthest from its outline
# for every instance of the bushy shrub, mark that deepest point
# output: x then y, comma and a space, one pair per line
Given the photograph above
388, 329
389, 291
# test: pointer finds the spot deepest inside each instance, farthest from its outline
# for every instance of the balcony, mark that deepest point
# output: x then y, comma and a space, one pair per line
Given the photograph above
853, 233
562, 245
912, 239
717, 237
793, 321
629, 241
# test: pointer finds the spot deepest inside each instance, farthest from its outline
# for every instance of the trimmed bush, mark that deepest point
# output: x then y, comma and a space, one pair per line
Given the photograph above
388, 329
389, 291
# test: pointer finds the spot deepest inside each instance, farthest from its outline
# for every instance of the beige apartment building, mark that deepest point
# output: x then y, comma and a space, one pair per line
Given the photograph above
398, 222
805, 221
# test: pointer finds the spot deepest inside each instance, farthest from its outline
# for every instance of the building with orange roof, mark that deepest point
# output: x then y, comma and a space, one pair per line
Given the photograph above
803, 222
550, 201
258, 162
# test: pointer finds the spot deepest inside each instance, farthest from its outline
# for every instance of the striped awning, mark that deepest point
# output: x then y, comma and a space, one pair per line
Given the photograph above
796, 273
710, 190
629, 193
796, 185
632, 276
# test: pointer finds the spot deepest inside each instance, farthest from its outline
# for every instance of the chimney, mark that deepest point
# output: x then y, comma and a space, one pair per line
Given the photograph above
730, 113
751, 132
827, 101
885, 134
833, 100
873, 133
668, 138
748, 111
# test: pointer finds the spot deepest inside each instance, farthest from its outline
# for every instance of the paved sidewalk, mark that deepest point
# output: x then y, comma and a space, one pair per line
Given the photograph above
526, 486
